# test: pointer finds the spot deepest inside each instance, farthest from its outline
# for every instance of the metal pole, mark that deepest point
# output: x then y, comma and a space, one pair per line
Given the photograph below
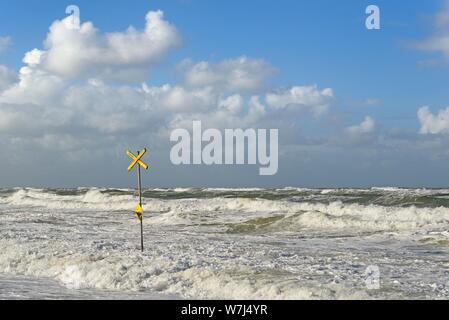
140, 202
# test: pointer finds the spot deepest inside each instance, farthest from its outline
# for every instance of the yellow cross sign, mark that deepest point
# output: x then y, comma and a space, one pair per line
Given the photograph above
137, 160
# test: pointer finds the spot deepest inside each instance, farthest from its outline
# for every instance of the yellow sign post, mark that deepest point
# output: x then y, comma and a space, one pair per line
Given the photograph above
137, 160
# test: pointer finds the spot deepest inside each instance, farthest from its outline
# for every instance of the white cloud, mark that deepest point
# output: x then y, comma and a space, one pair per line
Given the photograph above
125, 55
7, 77
44, 104
439, 41
308, 98
361, 135
34, 87
5, 42
366, 127
372, 102
179, 99
62, 91
233, 104
240, 74
433, 124
33, 58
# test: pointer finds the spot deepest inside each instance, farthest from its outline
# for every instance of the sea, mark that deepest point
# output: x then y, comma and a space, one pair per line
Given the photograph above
225, 243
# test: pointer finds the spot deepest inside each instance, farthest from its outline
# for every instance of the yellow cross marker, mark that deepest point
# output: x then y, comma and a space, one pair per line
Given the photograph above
139, 209
137, 160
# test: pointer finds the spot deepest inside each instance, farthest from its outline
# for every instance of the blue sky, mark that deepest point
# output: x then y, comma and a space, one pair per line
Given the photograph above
323, 43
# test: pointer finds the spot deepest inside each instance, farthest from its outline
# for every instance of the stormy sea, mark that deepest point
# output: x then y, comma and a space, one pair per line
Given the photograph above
290, 243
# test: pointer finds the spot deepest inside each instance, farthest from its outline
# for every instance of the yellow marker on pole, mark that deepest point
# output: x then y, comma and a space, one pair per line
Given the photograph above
137, 160
139, 212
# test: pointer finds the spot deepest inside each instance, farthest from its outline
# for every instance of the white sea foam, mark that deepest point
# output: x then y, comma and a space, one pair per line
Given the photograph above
299, 216
182, 189
232, 189
168, 274
226, 247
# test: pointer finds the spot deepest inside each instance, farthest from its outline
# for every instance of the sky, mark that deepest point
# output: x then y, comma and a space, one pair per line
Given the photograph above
354, 107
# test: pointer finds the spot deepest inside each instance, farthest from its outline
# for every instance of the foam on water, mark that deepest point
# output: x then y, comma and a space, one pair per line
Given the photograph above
230, 243
297, 216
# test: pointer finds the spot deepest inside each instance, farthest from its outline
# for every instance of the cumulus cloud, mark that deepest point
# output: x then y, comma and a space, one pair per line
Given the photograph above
47, 105
7, 77
363, 135
4, 43
433, 124
71, 52
64, 95
439, 41
240, 74
34, 87
308, 98
367, 126
233, 104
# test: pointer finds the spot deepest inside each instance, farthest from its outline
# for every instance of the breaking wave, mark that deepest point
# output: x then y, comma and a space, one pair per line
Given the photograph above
385, 212
217, 243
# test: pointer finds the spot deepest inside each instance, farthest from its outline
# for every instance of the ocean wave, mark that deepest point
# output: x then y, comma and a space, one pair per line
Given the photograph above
180, 275
92, 199
227, 244
298, 216
233, 189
